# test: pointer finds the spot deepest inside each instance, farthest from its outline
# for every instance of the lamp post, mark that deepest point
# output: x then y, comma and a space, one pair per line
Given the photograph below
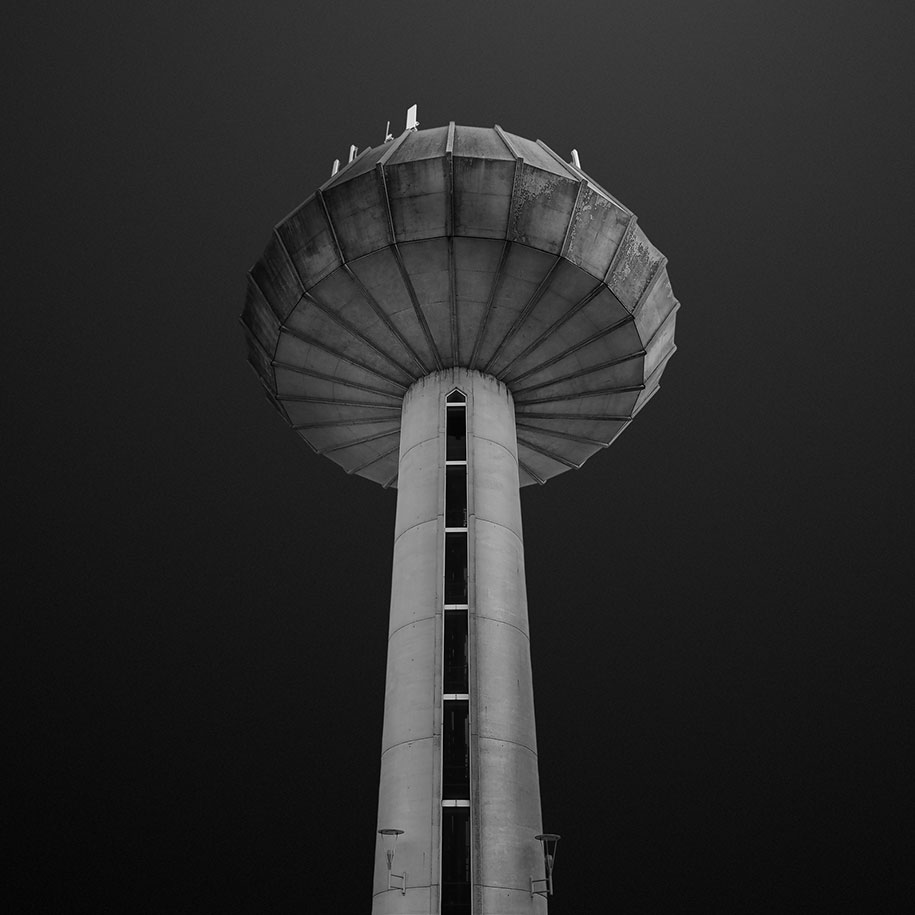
389, 838
549, 841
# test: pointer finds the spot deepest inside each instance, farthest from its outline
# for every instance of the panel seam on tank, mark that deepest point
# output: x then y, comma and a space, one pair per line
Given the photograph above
662, 325
338, 176
384, 317
452, 277
508, 145
404, 273
530, 473
660, 268
583, 174
270, 360
535, 297
571, 172
620, 250
564, 318
550, 454
333, 423
369, 298
364, 440
578, 395
525, 312
263, 295
588, 417
593, 338
650, 386
341, 381
368, 404
395, 145
487, 312
568, 436
380, 457
341, 322
660, 366
295, 271
582, 372
317, 344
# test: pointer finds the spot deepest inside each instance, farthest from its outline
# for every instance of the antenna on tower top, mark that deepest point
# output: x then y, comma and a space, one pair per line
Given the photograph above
412, 123
353, 152
335, 167
575, 160
387, 133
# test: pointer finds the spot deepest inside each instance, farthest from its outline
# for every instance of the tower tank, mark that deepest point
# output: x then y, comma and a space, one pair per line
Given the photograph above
459, 313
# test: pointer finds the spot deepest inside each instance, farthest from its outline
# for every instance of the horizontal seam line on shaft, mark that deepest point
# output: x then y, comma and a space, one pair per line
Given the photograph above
417, 444
419, 886
419, 619
484, 438
523, 746
410, 528
517, 536
495, 619
497, 886
489, 886
400, 743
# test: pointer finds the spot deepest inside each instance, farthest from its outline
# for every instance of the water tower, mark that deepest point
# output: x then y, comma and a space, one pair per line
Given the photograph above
458, 313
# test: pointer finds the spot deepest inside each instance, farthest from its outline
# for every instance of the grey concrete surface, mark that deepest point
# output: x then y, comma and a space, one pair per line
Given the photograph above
505, 793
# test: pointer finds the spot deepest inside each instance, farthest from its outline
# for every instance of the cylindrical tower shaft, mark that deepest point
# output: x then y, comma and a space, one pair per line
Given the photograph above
459, 760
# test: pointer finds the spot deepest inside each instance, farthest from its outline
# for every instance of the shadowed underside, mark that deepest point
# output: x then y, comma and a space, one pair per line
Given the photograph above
468, 247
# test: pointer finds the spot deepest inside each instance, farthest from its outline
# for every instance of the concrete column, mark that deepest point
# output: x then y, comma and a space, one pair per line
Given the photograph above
505, 793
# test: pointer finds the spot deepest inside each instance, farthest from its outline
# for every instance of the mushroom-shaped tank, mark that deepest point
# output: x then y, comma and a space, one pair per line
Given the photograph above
467, 247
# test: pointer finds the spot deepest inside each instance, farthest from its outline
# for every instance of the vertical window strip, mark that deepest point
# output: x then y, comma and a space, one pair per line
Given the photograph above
455, 742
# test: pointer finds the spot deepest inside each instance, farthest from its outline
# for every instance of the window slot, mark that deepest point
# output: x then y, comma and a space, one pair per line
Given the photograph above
456, 434
455, 568
454, 677
455, 861
456, 495
456, 749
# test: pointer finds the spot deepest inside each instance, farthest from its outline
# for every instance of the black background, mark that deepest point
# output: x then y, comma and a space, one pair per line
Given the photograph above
198, 604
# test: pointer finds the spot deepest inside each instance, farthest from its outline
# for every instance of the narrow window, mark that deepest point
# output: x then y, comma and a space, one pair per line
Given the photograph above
454, 679
456, 495
456, 749
455, 733
455, 568
456, 438
455, 861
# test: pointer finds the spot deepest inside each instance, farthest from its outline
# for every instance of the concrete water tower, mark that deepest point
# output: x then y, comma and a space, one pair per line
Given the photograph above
458, 313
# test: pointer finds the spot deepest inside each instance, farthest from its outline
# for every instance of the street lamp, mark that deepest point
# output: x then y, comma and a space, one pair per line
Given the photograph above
549, 841
389, 839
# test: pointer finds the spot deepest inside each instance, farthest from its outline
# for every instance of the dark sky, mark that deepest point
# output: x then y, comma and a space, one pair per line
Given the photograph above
198, 604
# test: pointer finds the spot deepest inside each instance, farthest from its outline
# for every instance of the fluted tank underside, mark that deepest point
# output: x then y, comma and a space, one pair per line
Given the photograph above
460, 247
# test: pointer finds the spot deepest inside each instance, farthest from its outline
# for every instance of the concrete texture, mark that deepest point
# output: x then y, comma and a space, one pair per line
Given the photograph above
460, 247
505, 793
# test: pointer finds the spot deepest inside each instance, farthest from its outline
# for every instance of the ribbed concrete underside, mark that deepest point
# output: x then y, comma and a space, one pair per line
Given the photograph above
460, 247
